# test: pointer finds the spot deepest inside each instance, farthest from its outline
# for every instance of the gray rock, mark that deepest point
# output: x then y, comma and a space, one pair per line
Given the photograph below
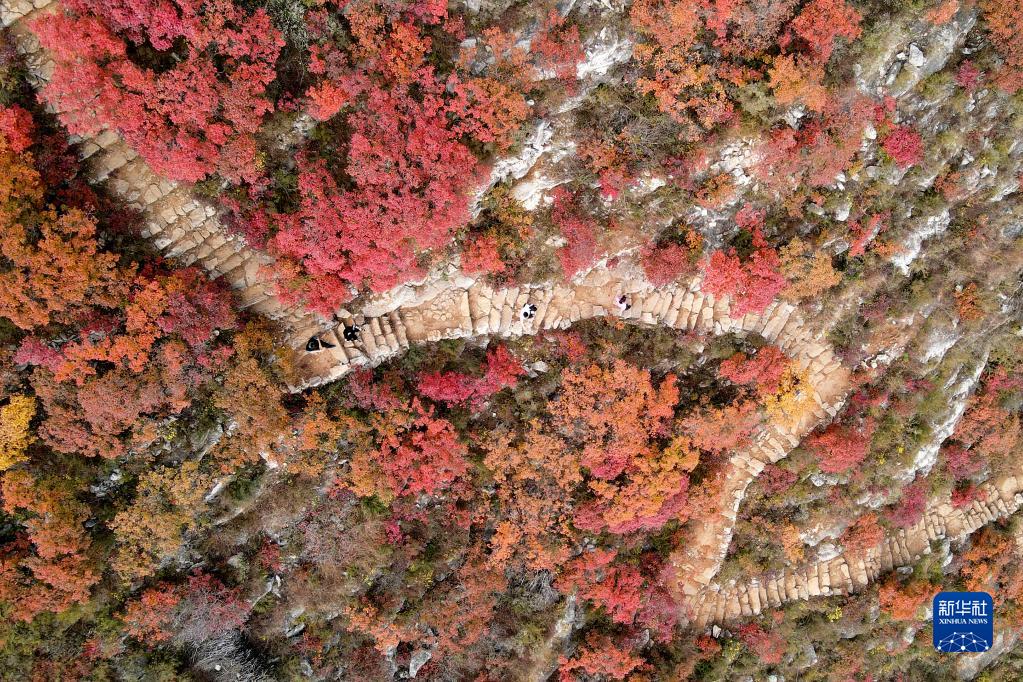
916, 56
842, 212
417, 661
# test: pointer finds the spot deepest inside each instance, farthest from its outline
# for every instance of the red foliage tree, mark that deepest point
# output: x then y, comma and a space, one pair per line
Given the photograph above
368, 394
820, 23
558, 47
195, 307
988, 429
750, 285
763, 371
775, 479
198, 116
17, 129
967, 76
579, 231
104, 415
207, 608
405, 186
502, 371
860, 235
911, 505
963, 497
769, 646
666, 263
840, 448
326, 100
961, 462
825, 145
148, 618
904, 145
626, 592
620, 593
410, 174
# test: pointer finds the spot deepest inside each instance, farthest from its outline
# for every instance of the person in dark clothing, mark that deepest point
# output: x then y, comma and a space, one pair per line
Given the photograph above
315, 343
351, 332
623, 303
528, 311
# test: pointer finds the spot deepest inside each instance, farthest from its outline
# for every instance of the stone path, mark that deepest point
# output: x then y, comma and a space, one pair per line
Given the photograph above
850, 572
455, 306
476, 309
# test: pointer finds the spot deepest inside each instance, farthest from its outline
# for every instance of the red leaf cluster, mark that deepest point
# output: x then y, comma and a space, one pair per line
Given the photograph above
751, 285
502, 371
904, 145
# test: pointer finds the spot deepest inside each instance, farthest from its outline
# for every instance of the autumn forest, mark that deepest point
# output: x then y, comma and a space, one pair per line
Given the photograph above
500, 340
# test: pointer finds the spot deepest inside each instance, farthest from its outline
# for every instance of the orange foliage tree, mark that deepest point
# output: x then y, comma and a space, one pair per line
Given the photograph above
54, 268
698, 54
614, 415
1004, 19
536, 478
864, 534
903, 601
991, 565
601, 655
46, 567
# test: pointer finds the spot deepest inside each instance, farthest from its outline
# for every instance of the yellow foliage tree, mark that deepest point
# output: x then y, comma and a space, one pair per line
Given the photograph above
808, 271
15, 436
166, 507
793, 399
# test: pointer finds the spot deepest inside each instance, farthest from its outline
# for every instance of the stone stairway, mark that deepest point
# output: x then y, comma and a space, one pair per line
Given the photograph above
851, 572
468, 308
